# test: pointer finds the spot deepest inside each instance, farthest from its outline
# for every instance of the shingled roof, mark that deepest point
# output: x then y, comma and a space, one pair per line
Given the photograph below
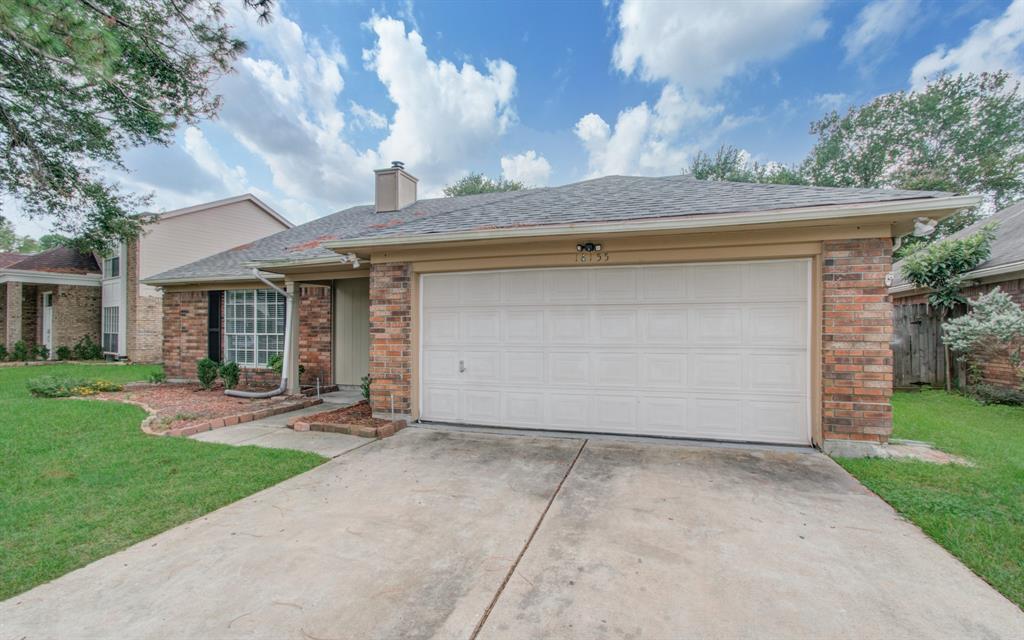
608, 199
1007, 247
56, 260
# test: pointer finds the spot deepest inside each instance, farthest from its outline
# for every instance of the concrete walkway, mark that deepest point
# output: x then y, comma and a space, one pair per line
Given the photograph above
274, 433
438, 534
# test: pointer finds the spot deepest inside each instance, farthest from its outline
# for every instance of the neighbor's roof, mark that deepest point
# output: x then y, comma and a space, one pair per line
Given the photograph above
1007, 247
227, 201
56, 260
8, 258
608, 199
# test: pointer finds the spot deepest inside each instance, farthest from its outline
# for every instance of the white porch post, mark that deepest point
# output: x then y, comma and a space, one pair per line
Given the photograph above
292, 363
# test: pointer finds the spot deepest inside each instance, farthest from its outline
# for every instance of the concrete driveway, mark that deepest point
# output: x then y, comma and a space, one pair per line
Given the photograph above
461, 535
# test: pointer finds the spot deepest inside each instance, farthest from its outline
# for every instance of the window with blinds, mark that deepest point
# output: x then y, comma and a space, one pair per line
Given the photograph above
253, 326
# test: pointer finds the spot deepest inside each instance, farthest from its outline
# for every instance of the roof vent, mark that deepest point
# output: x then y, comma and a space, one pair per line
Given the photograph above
395, 188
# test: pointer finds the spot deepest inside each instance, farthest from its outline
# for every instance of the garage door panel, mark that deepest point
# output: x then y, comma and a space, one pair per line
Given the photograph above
568, 367
524, 367
776, 325
664, 370
522, 409
614, 326
567, 285
479, 289
716, 325
716, 371
614, 369
567, 326
715, 351
665, 325
717, 282
441, 327
663, 284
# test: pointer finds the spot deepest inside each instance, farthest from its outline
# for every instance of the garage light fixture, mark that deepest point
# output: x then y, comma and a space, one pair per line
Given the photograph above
589, 247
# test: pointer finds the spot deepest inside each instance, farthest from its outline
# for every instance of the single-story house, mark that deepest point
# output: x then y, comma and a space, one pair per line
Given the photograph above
662, 306
50, 298
1003, 269
132, 312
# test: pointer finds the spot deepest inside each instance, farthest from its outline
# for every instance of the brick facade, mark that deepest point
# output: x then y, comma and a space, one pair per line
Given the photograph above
995, 369
185, 321
390, 338
856, 335
143, 315
76, 313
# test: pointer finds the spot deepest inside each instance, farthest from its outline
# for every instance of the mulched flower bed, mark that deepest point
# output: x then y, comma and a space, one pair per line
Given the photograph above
173, 407
356, 420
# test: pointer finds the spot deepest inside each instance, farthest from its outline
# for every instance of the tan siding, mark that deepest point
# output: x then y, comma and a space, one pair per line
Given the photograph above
352, 330
179, 240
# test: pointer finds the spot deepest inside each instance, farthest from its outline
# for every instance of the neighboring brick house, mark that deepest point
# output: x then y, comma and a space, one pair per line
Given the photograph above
50, 298
1004, 269
132, 312
650, 306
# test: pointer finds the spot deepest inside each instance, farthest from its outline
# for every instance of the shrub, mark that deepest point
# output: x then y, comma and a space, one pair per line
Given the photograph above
206, 371
64, 353
229, 373
3, 352
66, 386
20, 351
364, 386
991, 394
157, 377
276, 364
992, 330
41, 352
86, 349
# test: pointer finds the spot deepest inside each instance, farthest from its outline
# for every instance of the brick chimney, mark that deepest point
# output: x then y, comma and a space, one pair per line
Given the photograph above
395, 188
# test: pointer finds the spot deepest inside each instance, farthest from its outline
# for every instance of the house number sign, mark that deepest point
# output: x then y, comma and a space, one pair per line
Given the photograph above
589, 252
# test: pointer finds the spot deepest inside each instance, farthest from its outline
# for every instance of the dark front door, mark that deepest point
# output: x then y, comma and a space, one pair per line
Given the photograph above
214, 324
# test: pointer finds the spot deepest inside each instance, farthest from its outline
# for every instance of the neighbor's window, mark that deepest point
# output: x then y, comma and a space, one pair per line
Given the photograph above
112, 267
110, 322
253, 326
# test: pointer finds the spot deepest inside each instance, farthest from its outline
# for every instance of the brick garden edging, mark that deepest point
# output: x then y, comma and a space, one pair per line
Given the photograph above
226, 421
309, 423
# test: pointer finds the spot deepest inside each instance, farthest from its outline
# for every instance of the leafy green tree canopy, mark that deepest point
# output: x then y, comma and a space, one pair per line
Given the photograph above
479, 183
941, 266
733, 165
11, 241
83, 80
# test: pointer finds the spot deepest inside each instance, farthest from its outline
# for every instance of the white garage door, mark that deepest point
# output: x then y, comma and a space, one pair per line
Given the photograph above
717, 351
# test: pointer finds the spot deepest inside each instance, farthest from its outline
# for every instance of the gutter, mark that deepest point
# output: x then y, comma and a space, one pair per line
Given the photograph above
694, 221
170, 282
288, 355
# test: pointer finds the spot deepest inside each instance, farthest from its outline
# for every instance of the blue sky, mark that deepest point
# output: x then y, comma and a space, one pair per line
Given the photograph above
546, 92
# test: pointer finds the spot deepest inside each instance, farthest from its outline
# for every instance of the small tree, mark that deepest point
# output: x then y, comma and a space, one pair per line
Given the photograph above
994, 328
479, 183
941, 266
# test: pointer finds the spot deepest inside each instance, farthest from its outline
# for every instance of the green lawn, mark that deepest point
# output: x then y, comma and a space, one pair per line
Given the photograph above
977, 513
79, 480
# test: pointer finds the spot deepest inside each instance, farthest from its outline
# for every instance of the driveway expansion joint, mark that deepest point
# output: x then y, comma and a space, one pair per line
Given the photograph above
526, 545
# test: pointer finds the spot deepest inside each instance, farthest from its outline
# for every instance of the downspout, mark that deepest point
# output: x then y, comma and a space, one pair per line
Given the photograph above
286, 358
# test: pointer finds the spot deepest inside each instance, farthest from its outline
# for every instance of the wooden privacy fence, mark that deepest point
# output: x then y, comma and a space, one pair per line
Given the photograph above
917, 349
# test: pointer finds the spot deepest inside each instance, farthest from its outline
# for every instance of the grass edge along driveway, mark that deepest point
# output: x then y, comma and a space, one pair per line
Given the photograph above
976, 513
79, 480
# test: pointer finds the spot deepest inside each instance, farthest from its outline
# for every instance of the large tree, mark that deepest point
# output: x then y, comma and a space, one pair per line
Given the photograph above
961, 133
11, 241
479, 183
732, 164
83, 80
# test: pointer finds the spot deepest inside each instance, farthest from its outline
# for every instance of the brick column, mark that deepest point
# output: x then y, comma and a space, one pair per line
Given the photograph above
390, 338
315, 334
13, 314
856, 334
185, 332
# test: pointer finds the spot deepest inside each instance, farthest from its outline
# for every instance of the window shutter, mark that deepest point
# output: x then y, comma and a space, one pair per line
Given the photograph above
213, 325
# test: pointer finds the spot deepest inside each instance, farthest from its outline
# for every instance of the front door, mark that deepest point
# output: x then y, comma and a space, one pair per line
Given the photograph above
48, 322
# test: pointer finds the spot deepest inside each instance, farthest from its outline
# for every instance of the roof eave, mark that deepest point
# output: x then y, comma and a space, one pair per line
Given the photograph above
169, 282
940, 206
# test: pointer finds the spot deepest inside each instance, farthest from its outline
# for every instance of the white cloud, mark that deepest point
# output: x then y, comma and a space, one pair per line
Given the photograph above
197, 146
700, 44
445, 115
366, 118
831, 101
529, 168
877, 25
992, 45
643, 140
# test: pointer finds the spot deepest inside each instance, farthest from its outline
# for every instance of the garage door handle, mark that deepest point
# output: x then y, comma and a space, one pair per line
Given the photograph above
462, 366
